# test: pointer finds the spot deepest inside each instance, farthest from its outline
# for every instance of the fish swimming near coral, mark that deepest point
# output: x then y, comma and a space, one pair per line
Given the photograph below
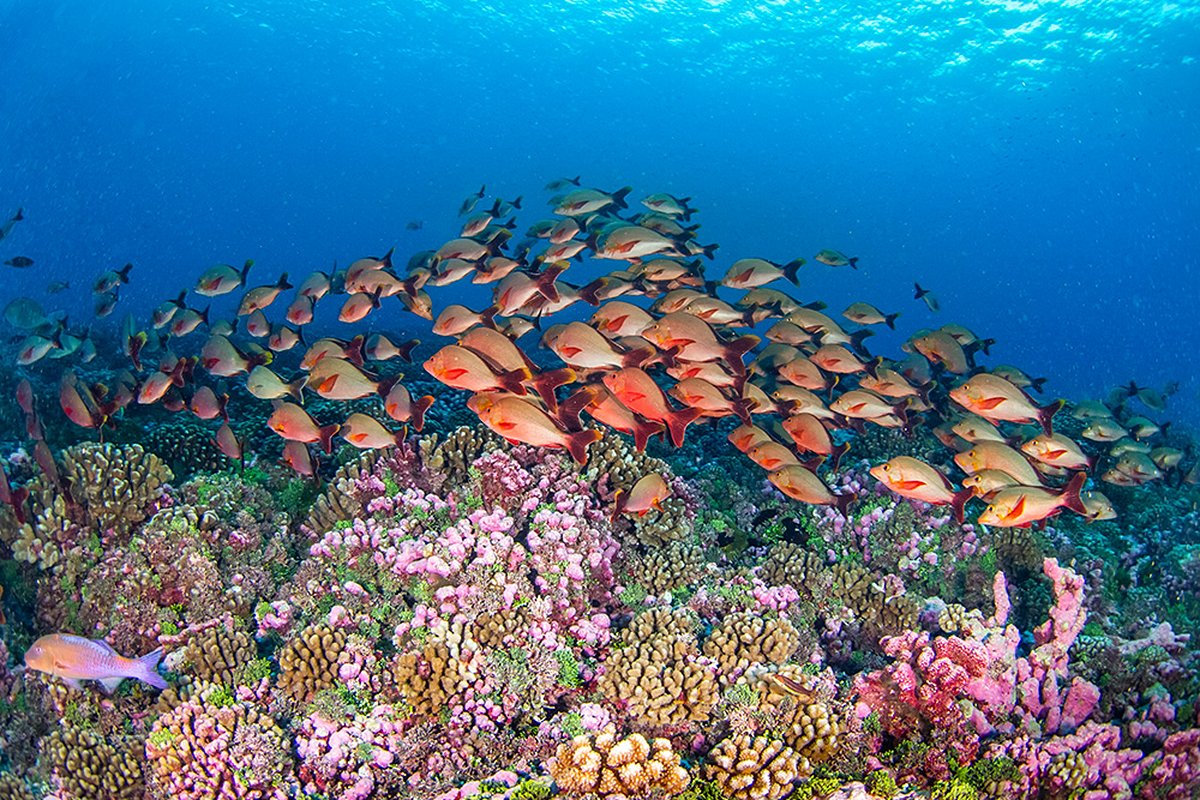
76, 659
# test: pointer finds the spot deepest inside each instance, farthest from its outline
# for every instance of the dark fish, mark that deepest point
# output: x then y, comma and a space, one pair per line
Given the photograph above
20, 262
415, 225
924, 294
58, 286
7, 227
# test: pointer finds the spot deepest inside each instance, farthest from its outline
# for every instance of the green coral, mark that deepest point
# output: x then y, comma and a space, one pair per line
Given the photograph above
881, 783
161, 737
954, 790
568, 668
816, 787
221, 696
700, 789
530, 789
987, 771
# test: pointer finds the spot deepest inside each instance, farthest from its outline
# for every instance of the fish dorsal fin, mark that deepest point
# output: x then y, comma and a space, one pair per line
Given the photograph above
105, 646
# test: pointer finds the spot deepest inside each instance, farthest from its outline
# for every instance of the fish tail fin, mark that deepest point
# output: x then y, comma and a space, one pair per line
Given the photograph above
419, 407
282, 283
327, 433
487, 317
514, 380
494, 211
544, 383
354, 350
677, 422
145, 669
123, 272
618, 197
791, 270
843, 502
20, 215
570, 409
738, 348
710, 250
405, 349
578, 443
1071, 494
637, 356
179, 301
1037, 384
1046, 415
986, 346
918, 292
246, 269
742, 408
856, 341
204, 314
387, 258
958, 504
589, 293
620, 499
545, 280
816, 305
517, 203
839, 452
644, 431
853, 262
890, 320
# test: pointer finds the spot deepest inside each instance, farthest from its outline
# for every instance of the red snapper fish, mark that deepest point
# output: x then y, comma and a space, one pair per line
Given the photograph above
1021, 506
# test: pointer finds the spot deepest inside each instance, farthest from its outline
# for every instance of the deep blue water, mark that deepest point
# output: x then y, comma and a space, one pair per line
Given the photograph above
1035, 164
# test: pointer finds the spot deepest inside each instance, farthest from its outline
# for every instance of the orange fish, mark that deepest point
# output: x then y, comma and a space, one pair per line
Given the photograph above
638, 392
745, 437
456, 319
296, 456
521, 422
222, 279
461, 368
1021, 506
1056, 450
800, 483
997, 455
751, 273
997, 400
771, 456
912, 478
338, 379
692, 339
941, 348
295, 424
400, 406
610, 412
648, 493
228, 443
368, 433
262, 296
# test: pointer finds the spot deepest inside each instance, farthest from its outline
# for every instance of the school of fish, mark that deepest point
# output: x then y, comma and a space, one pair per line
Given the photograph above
660, 346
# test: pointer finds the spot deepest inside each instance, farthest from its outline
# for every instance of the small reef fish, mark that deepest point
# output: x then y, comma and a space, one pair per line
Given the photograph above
76, 659
646, 495
1021, 506
222, 279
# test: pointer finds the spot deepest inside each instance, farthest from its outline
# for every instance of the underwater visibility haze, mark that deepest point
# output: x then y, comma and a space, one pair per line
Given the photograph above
597, 399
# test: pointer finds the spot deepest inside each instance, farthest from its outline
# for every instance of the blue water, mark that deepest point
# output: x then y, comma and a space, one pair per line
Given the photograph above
1035, 164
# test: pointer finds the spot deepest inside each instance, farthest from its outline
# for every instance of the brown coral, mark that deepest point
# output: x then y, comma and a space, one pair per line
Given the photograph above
614, 464
86, 765
666, 569
338, 501
308, 663
659, 673
800, 709
13, 788
117, 486
217, 655
744, 639
791, 564
755, 768
430, 677
618, 769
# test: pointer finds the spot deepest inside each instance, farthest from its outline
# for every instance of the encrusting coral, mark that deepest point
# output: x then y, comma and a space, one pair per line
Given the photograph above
618, 769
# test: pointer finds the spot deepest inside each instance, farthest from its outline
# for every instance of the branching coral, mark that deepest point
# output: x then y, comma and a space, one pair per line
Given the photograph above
618, 769
741, 640
308, 663
85, 764
755, 768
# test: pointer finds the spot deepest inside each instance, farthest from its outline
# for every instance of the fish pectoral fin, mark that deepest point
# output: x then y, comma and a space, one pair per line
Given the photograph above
1017, 509
988, 403
110, 684
909, 485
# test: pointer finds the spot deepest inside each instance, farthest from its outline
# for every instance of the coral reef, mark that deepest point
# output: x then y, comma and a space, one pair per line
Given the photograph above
618, 769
